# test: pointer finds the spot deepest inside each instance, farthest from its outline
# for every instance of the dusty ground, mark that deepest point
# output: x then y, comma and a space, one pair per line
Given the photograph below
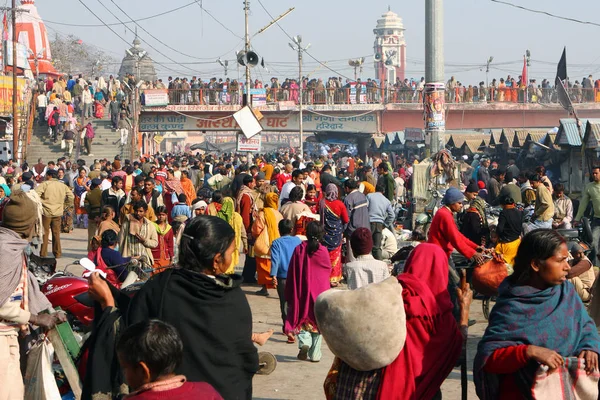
294, 379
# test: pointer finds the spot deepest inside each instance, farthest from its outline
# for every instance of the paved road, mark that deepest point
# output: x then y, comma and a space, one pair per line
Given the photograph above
294, 379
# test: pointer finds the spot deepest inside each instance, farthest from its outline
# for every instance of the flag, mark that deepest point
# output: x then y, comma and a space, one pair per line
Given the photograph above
524, 73
5, 28
561, 81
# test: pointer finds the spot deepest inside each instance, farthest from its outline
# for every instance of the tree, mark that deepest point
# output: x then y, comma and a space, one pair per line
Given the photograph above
70, 55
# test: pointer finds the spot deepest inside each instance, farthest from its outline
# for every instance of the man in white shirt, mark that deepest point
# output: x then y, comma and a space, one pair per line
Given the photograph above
42, 103
297, 180
365, 269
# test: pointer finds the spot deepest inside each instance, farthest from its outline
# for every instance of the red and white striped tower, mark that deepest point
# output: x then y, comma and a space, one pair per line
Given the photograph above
31, 32
390, 48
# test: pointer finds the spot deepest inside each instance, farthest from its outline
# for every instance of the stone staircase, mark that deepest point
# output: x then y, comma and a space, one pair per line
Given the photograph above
41, 145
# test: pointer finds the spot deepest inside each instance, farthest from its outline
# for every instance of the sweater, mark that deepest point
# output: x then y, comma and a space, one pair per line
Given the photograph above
444, 233
380, 209
506, 362
510, 225
544, 205
281, 254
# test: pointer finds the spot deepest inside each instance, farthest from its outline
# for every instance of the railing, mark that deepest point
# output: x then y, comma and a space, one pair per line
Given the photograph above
325, 96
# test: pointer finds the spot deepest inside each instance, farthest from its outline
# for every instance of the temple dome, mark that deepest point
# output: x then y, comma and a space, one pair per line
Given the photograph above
146, 65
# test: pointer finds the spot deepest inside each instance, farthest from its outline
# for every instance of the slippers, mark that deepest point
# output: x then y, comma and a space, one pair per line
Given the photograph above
291, 340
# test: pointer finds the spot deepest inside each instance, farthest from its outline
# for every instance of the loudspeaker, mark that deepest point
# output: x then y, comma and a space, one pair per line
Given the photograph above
252, 59
389, 61
377, 57
241, 58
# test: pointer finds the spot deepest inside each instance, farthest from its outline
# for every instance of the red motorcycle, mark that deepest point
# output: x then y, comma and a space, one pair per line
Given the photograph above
70, 292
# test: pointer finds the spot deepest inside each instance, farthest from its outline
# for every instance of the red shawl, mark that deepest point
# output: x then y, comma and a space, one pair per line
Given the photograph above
173, 185
433, 341
308, 277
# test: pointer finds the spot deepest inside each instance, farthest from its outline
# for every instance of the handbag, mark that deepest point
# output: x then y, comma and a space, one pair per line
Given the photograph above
488, 276
569, 381
39, 378
63, 144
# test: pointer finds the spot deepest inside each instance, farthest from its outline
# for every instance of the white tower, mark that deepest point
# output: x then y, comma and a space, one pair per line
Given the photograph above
390, 48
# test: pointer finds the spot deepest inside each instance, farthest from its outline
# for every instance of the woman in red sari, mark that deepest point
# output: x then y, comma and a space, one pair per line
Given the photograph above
433, 340
163, 253
334, 217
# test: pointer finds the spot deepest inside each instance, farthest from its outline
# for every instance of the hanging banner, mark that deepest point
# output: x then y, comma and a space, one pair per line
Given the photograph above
6, 91
252, 145
155, 97
272, 122
259, 97
434, 106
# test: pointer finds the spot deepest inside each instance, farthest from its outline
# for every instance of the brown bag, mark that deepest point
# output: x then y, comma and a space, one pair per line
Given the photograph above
488, 277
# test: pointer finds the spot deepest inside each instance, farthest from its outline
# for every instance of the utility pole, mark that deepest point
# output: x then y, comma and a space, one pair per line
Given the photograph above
297, 46
434, 99
487, 70
247, 97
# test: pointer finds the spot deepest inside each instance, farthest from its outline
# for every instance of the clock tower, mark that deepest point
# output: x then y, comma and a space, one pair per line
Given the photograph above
389, 48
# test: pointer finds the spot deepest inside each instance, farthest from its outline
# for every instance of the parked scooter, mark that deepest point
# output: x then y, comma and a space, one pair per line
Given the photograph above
423, 220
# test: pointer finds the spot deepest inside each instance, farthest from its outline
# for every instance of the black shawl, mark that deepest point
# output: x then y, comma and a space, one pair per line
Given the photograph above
214, 320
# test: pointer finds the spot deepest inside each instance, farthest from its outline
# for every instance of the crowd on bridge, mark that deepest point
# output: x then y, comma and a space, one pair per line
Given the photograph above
302, 225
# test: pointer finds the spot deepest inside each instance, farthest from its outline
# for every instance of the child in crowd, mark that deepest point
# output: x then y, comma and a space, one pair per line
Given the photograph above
149, 353
281, 254
181, 211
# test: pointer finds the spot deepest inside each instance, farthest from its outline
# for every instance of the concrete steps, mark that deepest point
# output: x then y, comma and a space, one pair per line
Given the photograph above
41, 145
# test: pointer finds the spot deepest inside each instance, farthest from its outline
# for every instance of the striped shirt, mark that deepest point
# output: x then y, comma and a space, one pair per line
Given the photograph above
365, 270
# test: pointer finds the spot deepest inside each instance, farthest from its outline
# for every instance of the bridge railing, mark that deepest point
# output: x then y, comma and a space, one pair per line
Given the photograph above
327, 96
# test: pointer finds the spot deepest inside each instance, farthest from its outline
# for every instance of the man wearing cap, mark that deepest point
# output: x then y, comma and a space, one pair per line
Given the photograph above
582, 274
544, 206
16, 311
474, 221
365, 269
445, 233
55, 195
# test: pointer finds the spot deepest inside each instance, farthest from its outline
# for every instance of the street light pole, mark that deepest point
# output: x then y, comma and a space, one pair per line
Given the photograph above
298, 47
247, 97
434, 99
487, 70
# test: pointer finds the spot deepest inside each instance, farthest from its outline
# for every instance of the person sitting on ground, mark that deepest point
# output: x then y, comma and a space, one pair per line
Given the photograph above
563, 208
365, 269
526, 326
389, 244
149, 353
582, 274
544, 206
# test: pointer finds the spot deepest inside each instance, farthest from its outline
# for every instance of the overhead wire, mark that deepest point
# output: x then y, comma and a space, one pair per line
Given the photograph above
292, 39
549, 14
216, 20
121, 23
149, 45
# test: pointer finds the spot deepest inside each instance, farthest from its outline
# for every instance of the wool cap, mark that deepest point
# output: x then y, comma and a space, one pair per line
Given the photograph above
453, 195
20, 214
361, 242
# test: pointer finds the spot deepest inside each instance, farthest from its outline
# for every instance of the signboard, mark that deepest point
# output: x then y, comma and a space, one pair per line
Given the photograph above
22, 54
272, 122
363, 93
6, 92
156, 97
259, 97
252, 145
158, 139
247, 121
413, 135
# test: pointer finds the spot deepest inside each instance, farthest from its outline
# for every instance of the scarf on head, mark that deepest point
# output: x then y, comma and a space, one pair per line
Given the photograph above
526, 315
331, 192
479, 204
6, 189
271, 200
227, 210
433, 341
244, 190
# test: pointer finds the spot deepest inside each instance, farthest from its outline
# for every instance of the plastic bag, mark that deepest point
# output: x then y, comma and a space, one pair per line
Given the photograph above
39, 377
63, 144
488, 276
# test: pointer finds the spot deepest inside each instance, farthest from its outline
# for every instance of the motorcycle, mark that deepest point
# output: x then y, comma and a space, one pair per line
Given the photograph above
423, 220
43, 268
69, 291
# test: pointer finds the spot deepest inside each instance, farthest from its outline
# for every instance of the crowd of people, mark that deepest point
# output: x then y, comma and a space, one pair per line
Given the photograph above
337, 90
302, 225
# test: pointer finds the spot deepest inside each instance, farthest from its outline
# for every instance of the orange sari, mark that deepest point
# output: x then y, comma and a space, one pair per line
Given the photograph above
188, 190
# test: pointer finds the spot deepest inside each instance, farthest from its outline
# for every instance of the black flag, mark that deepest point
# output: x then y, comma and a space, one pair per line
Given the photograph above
561, 81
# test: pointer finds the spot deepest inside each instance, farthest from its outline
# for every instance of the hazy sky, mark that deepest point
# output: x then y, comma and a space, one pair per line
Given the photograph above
343, 29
